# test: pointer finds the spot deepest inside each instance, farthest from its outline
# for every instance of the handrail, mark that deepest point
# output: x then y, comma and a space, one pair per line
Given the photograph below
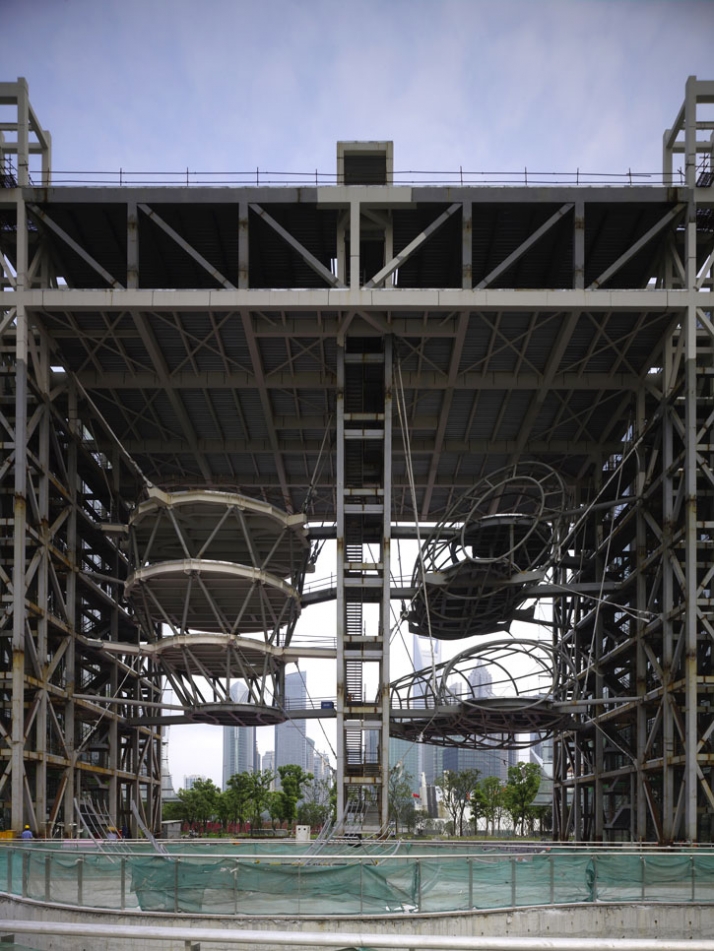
257, 178
357, 939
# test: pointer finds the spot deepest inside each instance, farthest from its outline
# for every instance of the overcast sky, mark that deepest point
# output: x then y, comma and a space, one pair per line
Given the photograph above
231, 85
227, 86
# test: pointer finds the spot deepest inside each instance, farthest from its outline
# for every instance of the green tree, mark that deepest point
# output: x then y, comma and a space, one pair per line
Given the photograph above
258, 795
173, 809
238, 798
317, 802
292, 780
543, 815
456, 790
520, 791
488, 796
401, 801
200, 803
276, 807
312, 814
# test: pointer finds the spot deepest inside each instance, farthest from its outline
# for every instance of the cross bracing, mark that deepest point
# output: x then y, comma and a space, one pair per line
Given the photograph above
191, 339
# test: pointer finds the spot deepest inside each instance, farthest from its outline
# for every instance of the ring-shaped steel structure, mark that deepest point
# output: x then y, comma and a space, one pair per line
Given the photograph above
494, 540
490, 696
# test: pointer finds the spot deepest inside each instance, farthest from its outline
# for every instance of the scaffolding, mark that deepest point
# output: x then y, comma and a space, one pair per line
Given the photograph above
550, 349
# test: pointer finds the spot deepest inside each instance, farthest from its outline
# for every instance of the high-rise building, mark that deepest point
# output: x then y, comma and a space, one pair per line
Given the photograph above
310, 755
168, 793
322, 768
427, 653
408, 754
542, 754
240, 747
268, 761
292, 744
490, 762
190, 780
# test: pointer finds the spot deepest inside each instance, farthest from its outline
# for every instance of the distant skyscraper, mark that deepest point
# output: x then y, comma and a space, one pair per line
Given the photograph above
481, 681
189, 781
488, 762
423, 647
409, 755
167, 787
240, 749
542, 754
321, 766
427, 653
268, 761
291, 742
310, 755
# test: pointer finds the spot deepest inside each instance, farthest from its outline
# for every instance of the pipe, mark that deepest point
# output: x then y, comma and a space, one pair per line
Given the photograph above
358, 939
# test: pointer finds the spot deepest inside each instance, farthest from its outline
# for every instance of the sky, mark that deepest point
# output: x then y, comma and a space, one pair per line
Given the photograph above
235, 85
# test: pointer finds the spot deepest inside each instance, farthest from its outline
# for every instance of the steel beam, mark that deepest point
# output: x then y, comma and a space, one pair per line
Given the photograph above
414, 245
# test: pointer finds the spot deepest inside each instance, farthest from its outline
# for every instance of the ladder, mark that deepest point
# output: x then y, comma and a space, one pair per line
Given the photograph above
364, 446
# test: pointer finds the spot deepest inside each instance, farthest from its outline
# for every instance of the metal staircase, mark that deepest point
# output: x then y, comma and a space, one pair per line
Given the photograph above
364, 437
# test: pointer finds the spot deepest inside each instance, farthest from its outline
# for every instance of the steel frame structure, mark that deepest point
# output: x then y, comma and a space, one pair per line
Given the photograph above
193, 337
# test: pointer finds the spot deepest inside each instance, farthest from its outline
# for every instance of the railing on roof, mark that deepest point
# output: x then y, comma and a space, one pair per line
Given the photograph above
258, 177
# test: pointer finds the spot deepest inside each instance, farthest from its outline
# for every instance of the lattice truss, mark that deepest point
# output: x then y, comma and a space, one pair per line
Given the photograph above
159, 340
644, 646
70, 714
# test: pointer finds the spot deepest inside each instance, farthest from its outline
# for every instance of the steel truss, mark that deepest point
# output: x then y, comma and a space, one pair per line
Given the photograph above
192, 339
206, 569
62, 576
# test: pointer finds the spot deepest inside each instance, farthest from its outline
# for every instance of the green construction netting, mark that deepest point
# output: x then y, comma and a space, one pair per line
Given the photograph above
260, 879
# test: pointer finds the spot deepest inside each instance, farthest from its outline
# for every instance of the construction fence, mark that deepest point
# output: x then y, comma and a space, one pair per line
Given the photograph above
273, 880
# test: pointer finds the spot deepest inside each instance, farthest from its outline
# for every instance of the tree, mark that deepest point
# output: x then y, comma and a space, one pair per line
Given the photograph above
312, 814
401, 801
257, 792
456, 790
276, 806
200, 803
237, 798
488, 796
543, 815
292, 780
173, 809
317, 803
520, 791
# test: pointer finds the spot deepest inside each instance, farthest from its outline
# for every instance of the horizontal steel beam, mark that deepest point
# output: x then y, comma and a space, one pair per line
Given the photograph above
431, 380
380, 299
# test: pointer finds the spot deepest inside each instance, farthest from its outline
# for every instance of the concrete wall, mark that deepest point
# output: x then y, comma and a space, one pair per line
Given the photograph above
661, 920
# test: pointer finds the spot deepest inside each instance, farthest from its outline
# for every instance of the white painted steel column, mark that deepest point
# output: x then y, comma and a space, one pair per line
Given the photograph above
690, 472
640, 657
354, 244
467, 245
19, 527
73, 775
690, 572
243, 247
132, 245
42, 380
669, 827
340, 581
386, 579
23, 135
579, 245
